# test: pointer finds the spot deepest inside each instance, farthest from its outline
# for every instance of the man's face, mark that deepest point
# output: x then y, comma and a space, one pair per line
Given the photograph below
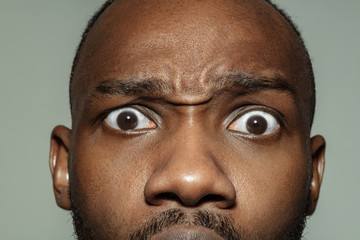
190, 121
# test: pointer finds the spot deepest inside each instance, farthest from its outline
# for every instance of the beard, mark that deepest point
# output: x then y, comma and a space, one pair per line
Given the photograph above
215, 222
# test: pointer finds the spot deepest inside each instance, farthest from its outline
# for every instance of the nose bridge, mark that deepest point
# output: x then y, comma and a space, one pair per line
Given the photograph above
191, 137
191, 171
192, 150
191, 153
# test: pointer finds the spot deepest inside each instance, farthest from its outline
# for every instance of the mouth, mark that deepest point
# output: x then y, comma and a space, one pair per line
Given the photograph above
187, 233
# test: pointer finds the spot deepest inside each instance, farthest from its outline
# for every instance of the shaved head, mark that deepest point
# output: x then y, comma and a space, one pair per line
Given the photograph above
190, 120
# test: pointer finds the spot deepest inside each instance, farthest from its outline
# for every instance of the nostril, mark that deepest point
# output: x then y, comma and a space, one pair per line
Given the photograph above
168, 196
218, 201
213, 198
158, 199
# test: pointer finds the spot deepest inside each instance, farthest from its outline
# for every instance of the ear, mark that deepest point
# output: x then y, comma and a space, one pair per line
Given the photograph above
59, 151
318, 163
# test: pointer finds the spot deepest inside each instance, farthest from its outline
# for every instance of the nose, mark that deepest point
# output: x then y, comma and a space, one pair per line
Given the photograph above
191, 176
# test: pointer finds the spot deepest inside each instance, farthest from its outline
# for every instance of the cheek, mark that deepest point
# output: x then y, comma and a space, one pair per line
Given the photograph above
107, 180
272, 184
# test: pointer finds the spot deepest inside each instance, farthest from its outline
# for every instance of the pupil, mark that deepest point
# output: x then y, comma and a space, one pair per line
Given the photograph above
127, 120
256, 125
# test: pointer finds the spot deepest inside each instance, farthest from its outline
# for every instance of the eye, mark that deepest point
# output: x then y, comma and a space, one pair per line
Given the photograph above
255, 122
128, 119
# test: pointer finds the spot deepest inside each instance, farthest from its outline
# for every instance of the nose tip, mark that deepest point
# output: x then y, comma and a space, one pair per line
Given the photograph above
190, 186
190, 170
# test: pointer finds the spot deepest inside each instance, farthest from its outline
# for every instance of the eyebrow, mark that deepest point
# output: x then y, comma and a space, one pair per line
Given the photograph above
131, 86
226, 82
254, 82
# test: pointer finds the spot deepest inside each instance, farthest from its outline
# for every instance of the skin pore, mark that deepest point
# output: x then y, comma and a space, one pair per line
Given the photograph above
190, 120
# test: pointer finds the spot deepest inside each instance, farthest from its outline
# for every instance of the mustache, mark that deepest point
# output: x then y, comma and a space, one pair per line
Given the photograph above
218, 223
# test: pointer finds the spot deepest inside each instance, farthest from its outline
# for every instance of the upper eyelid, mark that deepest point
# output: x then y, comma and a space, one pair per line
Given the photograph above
240, 111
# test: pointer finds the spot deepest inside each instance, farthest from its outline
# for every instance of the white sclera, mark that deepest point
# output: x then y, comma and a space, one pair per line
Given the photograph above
142, 121
240, 124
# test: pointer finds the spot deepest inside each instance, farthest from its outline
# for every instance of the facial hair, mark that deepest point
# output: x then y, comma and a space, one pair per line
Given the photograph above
173, 217
215, 222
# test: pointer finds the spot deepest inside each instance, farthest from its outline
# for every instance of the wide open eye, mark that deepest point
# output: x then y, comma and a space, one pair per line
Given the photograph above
128, 119
255, 122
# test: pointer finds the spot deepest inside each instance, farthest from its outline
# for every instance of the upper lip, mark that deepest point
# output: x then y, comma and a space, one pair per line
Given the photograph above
186, 233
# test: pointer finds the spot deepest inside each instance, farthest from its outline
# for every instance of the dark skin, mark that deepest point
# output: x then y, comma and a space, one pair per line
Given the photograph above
206, 66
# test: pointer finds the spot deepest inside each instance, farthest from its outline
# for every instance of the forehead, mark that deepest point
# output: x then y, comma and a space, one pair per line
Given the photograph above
187, 43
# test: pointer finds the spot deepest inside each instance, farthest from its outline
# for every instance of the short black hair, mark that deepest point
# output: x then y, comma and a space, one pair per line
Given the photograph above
108, 3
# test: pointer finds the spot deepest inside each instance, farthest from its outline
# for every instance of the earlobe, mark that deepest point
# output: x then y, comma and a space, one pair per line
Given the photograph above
318, 164
59, 150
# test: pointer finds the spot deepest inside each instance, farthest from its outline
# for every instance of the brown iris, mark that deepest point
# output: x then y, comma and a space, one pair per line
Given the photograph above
127, 120
256, 124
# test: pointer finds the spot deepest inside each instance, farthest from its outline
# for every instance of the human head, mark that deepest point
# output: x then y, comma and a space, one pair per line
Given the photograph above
192, 74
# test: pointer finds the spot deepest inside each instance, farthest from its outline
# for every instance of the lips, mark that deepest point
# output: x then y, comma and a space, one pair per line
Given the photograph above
187, 233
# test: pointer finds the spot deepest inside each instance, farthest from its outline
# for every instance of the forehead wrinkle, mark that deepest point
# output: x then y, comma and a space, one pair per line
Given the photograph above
190, 86
196, 84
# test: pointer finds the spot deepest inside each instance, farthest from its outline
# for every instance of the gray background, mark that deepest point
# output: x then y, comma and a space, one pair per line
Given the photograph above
37, 43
